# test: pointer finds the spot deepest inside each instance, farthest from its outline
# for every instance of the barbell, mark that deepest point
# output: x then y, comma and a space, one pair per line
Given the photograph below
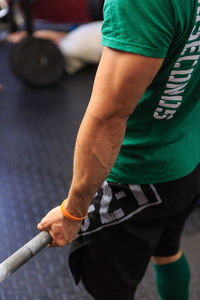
22, 255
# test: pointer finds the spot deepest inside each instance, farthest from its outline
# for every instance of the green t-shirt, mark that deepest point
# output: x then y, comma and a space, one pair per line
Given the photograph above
162, 140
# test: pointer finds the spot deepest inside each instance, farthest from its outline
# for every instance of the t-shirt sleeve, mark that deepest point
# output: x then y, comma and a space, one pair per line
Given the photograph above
144, 27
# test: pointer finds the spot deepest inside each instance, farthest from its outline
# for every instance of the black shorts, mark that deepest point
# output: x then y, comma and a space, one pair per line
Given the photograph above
126, 225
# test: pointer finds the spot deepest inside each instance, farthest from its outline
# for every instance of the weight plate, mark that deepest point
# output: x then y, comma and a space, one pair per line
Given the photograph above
37, 61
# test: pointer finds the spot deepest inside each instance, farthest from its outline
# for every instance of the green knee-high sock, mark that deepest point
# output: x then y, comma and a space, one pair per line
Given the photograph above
172, 280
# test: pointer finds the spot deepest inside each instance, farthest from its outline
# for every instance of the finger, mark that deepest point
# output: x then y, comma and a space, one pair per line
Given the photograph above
52, 244
58, 242
39, 227
42, 225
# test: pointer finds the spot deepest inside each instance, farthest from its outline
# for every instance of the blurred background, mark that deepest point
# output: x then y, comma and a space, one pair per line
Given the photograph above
49, 52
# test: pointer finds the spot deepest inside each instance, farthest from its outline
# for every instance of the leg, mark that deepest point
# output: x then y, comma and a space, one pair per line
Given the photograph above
52, 35
161, 260
109, 269
172, 277
120, 234
170, 265
16, 37
112, 251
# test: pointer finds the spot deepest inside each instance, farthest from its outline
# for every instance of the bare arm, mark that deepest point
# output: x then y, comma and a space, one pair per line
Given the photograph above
120, 82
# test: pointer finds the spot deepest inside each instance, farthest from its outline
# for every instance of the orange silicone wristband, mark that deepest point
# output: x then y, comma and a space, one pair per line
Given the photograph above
70, 217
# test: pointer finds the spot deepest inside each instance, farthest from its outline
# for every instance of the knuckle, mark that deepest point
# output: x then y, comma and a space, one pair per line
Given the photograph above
69, 241
61, 243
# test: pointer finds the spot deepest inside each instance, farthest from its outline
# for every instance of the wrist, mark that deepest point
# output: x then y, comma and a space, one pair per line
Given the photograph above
72, 214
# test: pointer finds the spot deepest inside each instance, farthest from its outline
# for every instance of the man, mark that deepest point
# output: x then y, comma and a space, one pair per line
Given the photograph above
141, 132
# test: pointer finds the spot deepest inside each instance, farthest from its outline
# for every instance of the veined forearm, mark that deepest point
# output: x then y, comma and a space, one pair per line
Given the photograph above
119, 84
97, 146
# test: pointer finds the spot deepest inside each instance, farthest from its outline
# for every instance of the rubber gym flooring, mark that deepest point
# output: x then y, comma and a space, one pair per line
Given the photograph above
37, 134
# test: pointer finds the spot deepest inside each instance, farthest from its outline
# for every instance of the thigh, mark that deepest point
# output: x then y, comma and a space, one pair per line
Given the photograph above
169, 240
126, 225
112, 270
111, 254
179, 199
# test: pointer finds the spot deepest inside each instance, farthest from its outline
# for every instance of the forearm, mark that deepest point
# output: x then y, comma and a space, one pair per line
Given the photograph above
97, 146
119, 84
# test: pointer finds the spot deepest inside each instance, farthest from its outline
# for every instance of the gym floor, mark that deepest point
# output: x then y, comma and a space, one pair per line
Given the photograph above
37, 134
